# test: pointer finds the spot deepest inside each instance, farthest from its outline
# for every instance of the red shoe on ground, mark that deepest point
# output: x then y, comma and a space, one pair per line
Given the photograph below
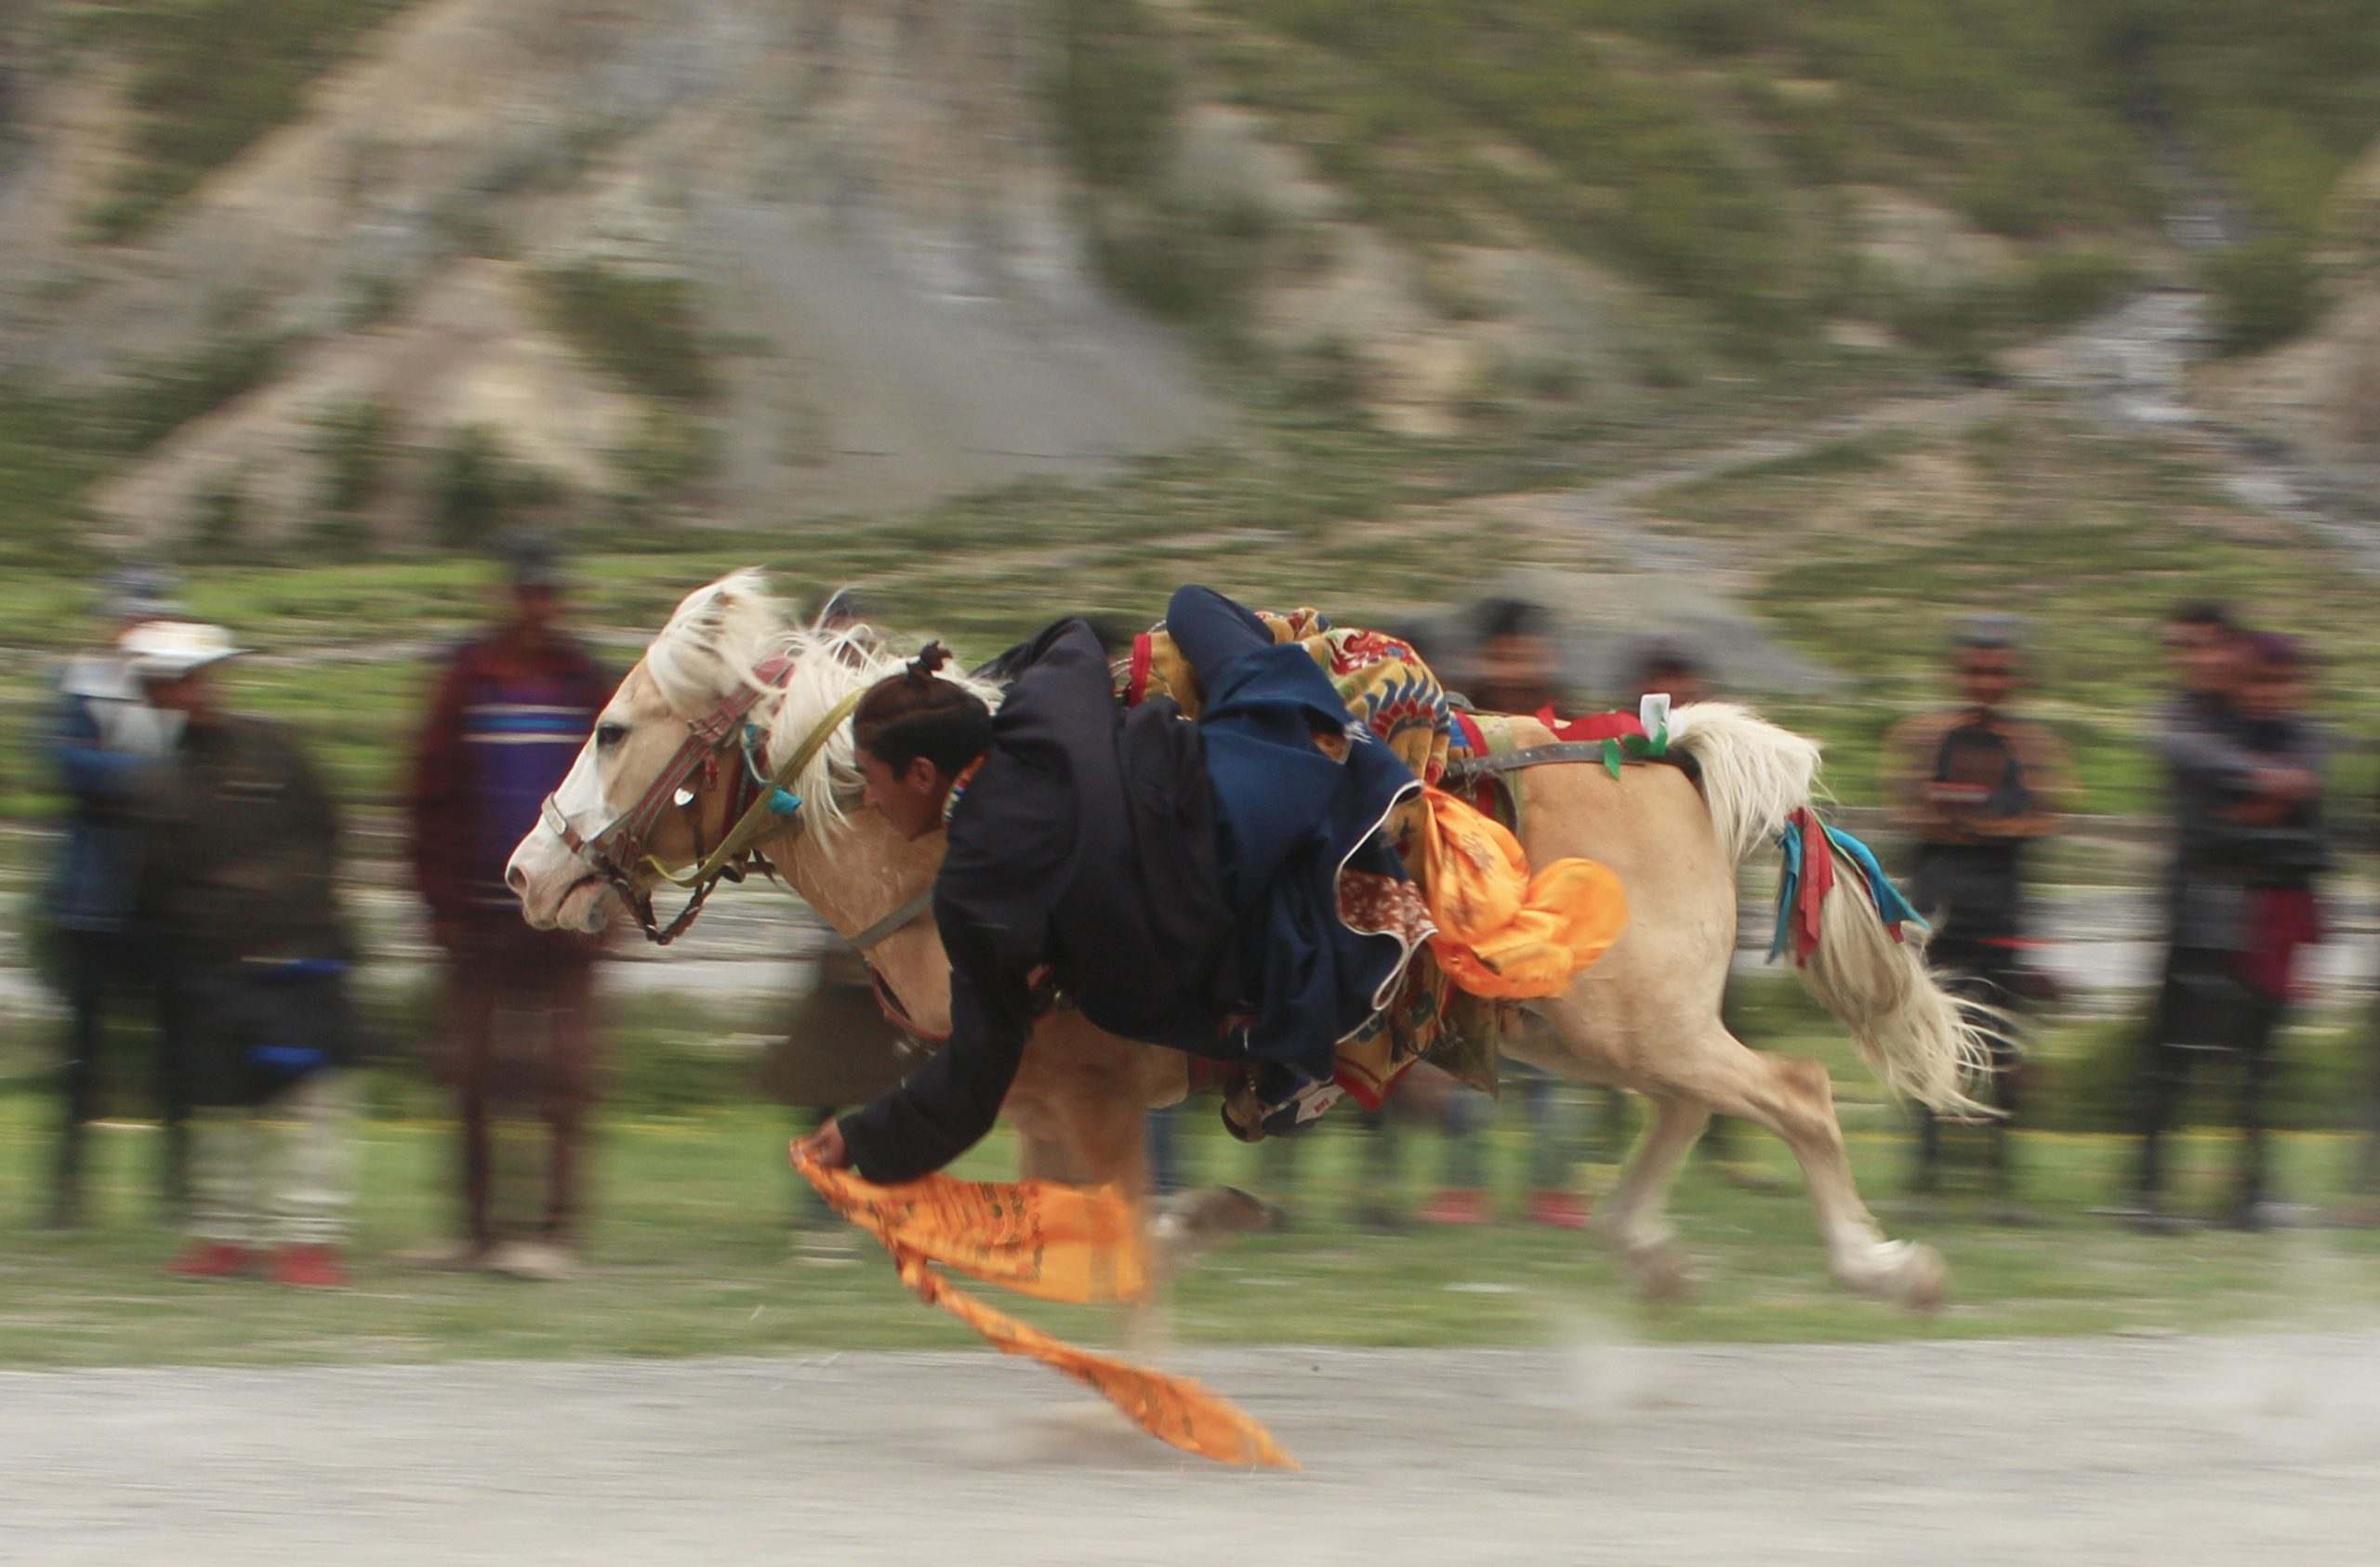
1456, 1204
309, 1268
1557, 1210
211, 1259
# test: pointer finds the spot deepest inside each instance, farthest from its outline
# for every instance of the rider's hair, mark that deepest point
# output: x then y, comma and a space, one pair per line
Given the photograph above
914, 714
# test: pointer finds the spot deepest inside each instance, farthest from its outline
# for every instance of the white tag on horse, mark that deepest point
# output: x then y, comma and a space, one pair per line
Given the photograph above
682, 798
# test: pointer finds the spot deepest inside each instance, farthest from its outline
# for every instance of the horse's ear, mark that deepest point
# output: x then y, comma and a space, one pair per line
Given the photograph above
716, 604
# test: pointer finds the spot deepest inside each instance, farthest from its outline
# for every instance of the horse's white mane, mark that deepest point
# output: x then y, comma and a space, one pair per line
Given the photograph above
721, 634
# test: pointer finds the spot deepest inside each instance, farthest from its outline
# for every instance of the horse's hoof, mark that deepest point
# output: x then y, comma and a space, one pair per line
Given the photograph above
1253, 1213
1925, 1282
1664, 1274
1198, 1218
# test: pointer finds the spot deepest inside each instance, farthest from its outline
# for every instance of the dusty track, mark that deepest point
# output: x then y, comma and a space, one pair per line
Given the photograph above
2180, 1452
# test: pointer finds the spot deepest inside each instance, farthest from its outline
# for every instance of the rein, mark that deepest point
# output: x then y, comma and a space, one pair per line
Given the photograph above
617, 853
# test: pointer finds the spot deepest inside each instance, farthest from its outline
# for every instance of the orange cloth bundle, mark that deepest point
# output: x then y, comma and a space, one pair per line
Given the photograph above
1058, 1243
1502, 932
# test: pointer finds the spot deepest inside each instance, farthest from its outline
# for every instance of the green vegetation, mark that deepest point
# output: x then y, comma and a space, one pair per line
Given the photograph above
354, 442
1115, 91
644, 330
1857, 553
2281, 106
478, 488
1612, 158
45, 464
209, 78
2264, 292
52, 447
692, 1252
1710, 150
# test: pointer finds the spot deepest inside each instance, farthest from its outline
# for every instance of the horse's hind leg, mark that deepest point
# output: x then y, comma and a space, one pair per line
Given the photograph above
1794, 1097
1630, 1218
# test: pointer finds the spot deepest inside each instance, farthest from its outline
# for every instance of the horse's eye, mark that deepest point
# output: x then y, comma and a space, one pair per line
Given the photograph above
609, 735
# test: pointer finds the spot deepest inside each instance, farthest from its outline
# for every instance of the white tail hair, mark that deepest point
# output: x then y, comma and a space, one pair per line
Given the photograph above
1920, 1041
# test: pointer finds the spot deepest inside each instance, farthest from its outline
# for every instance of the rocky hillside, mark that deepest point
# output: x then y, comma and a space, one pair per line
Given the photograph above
723, 260
358, 269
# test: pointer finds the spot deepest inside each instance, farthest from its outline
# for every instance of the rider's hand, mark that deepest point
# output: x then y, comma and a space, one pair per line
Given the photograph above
824, 1148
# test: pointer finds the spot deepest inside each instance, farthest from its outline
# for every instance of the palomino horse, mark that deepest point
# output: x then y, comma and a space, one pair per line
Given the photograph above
729, 696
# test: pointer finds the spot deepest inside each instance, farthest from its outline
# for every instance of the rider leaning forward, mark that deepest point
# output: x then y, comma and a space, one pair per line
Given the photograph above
1177, 882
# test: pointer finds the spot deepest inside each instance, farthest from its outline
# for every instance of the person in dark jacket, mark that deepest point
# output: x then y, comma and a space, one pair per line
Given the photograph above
240, 859
1976, 786
107, 740
2278, 846
509, 713
1165, 877
2212, 775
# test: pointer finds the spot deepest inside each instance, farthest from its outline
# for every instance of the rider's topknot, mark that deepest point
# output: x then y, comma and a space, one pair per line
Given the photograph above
929, 661
916, 712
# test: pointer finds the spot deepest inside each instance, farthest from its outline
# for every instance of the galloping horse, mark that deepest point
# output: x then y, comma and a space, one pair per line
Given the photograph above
730, 701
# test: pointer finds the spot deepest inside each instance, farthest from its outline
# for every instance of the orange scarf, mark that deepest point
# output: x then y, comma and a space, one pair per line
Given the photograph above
1504, 932
1058, 1243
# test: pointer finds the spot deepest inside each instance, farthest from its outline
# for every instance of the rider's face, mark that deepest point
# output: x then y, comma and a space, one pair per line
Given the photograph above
910, 798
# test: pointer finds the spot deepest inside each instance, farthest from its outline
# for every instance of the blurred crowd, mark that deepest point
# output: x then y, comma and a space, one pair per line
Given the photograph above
197, 878
199, 869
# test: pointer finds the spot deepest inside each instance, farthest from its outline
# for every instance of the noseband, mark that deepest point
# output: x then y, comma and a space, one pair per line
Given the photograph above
758, 810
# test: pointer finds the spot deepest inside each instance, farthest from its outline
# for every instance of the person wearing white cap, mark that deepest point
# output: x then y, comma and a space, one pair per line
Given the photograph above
241, 858
105, 738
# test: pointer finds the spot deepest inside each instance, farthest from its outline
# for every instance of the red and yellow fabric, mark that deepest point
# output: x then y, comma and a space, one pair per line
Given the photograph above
1056, 1242
1387, 687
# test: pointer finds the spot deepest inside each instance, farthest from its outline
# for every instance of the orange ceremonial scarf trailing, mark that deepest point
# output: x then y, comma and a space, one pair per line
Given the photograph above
1058, 1243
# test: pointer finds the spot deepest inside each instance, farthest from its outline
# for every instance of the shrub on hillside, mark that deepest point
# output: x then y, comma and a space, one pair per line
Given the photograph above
209, 78
477, 487
644, 330
2264, 292
352, 439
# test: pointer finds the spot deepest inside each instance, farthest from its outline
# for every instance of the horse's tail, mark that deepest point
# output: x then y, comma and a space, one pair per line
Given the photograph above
1920, 1040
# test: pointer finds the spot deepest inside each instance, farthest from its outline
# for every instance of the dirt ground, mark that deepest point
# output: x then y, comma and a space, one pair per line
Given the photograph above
2177, 1451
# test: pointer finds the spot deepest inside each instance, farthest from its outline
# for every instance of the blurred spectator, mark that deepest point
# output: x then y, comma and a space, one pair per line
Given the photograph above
2362, 1208
511, 711
1671, 667
1663, 665
2280, 847
241, 852
1513, 668
1974, 786
107, 739
1512, 664
2218, 783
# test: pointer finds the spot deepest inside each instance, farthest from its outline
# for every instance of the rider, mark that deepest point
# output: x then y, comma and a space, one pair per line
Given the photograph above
1178, 882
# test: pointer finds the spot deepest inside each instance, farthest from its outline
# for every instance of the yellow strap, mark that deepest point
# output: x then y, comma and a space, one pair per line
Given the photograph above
757, 822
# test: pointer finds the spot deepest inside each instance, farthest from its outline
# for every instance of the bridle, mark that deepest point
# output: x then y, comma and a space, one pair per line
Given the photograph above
758, 809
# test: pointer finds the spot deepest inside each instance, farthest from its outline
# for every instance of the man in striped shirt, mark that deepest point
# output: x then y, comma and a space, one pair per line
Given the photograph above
511, 712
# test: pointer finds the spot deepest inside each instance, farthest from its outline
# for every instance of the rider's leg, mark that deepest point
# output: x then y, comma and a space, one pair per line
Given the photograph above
1212, 630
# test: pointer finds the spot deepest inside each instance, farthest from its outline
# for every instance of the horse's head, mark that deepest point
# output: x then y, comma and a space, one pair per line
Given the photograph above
656, 780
